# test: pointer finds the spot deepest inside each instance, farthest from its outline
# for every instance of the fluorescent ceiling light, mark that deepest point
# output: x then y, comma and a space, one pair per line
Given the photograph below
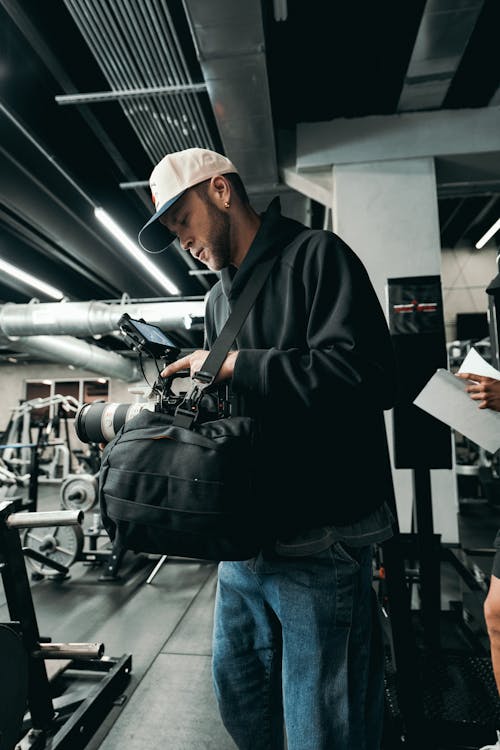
134, 250
30, 280
489, 234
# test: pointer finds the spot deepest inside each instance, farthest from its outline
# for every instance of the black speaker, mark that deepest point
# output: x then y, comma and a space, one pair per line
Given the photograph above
416, 323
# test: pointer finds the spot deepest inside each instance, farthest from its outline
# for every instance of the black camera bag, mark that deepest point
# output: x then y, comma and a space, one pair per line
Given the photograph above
178, 491
172, 485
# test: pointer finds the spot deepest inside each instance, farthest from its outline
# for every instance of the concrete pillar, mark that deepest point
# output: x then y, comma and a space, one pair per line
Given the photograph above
387, 212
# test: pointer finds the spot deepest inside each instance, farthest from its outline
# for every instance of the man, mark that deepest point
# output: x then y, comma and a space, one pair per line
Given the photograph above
297, 643
486, 391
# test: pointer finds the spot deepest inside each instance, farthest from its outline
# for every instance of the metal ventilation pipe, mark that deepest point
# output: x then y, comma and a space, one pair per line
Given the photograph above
92, 318
79, 353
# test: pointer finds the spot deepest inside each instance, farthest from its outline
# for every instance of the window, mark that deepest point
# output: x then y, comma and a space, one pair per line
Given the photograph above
95, 390
84, 391
67, 388
38, 389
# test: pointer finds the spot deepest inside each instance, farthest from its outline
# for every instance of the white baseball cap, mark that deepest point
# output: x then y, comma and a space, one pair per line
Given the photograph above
170, 179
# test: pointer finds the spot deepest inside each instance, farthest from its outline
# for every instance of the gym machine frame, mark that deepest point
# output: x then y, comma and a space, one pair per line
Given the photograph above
49, 725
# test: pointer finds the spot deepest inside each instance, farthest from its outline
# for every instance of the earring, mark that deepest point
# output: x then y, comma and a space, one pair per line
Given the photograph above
226, 204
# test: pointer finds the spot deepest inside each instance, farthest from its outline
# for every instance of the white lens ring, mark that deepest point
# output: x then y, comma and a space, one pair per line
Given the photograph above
107, 421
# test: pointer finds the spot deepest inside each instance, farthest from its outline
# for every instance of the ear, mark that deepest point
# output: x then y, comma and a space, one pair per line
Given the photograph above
220, 189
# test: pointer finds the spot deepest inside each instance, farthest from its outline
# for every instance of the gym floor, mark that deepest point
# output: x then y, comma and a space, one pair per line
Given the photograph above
166, 626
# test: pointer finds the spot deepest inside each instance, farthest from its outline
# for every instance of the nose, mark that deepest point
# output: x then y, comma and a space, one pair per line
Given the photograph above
186, 244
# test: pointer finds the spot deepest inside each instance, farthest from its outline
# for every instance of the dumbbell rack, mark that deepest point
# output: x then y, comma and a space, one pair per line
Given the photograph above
59, 722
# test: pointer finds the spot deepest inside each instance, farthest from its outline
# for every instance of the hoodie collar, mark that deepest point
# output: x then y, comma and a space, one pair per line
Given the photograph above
274, 233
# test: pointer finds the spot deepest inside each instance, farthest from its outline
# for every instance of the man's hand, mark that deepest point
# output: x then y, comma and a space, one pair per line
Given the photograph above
483, 389
194, 363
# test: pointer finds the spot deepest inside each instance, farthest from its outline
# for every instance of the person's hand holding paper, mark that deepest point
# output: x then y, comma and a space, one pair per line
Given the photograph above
485, 385
445, 397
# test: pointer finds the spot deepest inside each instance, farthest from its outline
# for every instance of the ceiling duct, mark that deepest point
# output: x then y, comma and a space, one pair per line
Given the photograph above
443, 35
80, 354
93, 318
43, 329
230, 44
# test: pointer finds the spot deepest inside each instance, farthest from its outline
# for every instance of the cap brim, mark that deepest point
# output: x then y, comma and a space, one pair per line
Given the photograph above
154, 237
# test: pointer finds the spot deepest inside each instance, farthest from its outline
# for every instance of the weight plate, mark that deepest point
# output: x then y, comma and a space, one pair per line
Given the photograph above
64, 544
79, 492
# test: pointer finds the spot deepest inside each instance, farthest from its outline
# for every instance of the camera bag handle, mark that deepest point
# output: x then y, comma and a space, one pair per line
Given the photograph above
187, 411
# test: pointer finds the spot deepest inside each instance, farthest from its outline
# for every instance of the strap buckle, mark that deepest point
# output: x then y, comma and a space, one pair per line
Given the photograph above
187, 411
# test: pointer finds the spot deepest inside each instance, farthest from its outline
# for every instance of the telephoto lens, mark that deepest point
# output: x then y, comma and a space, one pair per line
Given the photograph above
99, 421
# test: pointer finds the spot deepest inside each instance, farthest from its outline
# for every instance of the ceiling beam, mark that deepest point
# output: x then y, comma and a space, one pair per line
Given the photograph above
136, 93
403, 136
318, 186
480, 217
468, 188
71, 227
23, 231
459, 222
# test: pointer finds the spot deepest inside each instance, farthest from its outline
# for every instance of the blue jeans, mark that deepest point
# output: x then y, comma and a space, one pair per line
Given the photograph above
298, 649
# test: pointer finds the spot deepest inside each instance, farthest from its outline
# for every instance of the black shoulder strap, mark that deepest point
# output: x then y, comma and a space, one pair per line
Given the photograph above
239, 313
243, 304
187, 410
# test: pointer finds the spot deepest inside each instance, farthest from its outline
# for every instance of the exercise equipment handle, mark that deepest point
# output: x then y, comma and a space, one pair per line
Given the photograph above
38, 519
69, 651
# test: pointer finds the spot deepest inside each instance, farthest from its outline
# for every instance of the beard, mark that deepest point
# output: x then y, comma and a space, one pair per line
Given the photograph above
218, 240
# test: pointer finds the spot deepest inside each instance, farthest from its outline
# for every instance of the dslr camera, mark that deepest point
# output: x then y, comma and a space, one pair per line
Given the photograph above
99, 421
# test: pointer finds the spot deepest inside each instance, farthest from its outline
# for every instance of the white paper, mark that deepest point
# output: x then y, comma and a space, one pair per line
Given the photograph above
475, 364
445, 398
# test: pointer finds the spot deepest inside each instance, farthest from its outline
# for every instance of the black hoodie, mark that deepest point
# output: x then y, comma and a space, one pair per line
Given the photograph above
316, 367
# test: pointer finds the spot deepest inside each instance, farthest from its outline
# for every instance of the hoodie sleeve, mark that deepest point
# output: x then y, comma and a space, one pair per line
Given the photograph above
348, 353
